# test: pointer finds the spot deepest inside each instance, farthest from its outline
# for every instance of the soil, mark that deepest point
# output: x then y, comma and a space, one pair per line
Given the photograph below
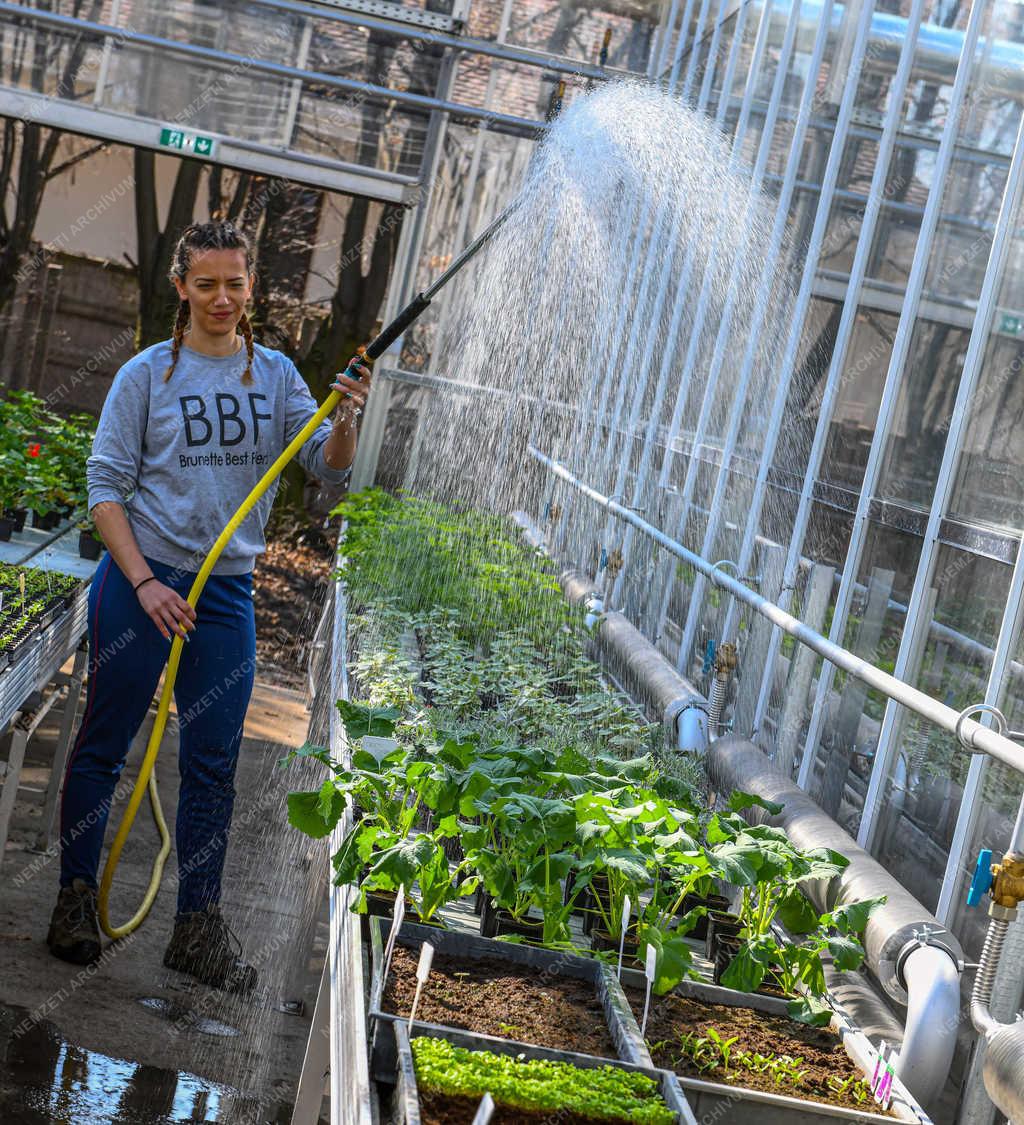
288, 579
455, 1109
820, 1049
492, 997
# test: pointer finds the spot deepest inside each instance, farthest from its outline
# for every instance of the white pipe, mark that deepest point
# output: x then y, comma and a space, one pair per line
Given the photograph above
692, 729
933, 1017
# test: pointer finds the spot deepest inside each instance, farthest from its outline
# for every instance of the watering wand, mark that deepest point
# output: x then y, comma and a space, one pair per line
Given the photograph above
147, 778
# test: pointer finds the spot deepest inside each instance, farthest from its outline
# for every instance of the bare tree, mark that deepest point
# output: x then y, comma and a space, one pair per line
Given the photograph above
28, 149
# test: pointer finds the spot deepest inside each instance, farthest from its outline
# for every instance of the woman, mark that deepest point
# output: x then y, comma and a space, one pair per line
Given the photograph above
188, 428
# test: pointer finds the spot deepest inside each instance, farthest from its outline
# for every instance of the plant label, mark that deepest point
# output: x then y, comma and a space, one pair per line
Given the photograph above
627, 913
426, 958
422, 972
396, 925
484, 1110
651, 973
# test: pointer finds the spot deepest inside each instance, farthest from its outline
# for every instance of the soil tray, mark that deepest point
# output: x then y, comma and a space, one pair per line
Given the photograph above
410, 1108
510, 994
763, 1026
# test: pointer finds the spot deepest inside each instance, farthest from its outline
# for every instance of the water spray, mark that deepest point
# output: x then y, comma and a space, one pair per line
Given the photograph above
147, 777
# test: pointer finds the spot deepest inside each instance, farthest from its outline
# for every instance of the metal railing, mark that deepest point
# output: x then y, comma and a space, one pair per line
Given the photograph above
971, 733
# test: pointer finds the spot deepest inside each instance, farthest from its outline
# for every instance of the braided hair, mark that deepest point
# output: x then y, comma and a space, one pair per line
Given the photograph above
218, 235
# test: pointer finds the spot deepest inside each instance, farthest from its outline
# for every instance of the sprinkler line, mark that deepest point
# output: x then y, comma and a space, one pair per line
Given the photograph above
147, 778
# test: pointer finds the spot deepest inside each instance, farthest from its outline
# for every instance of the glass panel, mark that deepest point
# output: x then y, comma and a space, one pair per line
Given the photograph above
921, 421
860, 392
921, 799
873, 630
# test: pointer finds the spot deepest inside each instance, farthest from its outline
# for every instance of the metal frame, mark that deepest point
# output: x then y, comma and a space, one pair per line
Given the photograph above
843, 337
974, 735
893, 381
914, 634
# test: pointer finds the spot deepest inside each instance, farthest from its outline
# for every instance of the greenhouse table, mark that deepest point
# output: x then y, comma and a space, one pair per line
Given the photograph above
38, 672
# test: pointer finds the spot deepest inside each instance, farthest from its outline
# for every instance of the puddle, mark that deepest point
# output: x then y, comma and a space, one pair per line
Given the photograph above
185, 1019
45, 1080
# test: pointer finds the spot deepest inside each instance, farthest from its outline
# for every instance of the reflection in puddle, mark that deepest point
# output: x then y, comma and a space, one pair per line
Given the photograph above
46, 1080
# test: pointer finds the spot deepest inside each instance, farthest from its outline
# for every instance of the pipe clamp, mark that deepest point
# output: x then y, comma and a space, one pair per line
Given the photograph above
925, 937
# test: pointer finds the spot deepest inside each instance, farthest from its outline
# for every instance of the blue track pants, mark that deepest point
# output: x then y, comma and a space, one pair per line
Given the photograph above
126, 656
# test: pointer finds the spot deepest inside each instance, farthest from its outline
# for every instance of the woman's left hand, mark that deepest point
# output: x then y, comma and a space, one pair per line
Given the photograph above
354, 392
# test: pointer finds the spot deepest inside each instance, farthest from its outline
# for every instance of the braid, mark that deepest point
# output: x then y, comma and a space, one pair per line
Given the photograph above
246, 329
217, 235
180, 321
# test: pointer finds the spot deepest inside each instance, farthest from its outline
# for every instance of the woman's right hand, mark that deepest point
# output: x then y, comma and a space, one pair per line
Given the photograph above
167, 609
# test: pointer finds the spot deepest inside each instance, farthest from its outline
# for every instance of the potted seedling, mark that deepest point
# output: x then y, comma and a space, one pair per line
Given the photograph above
90, 545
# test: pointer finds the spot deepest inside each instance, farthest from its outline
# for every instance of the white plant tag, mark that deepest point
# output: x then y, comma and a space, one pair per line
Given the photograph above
396, 925
422, 973
627, 913
650, 972
484, 1110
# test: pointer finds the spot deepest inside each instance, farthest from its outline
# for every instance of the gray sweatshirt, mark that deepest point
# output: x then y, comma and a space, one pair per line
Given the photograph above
182, 455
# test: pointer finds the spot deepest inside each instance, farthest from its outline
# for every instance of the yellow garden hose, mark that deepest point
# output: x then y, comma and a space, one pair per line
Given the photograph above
146, 774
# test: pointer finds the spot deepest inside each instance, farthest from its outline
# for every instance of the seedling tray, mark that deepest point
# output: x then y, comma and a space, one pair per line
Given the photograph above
718, 1101
622, 1025
406, 1103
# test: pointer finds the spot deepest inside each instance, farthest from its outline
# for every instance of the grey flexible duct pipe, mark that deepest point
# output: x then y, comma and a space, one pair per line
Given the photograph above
642, 670
1003, 1067
915, 960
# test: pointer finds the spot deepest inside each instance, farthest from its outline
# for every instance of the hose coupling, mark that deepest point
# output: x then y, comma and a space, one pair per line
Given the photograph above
614, 563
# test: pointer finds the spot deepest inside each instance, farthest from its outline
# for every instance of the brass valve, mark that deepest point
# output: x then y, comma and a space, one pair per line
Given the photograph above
725, 659
1008, 880
554, 512
615, 561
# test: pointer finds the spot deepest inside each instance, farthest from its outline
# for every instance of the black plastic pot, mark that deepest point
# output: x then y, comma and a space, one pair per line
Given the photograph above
717, 903
592, 900
45, 522
723, 923
381, 904
89, 547
17, 517
726, 949
602, 941
495, 921
6, 528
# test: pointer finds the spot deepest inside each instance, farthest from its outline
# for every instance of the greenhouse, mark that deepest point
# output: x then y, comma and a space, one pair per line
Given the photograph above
510, 565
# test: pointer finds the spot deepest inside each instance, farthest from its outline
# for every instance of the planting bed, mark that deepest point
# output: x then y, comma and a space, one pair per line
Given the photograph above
500, 991
443, 1075
493, 998
824, 1065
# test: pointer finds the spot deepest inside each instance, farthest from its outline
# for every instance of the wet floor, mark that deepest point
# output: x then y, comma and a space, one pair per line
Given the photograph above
45, 1080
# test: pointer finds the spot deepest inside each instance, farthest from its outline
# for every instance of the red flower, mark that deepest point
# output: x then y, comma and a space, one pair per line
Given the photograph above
33, 449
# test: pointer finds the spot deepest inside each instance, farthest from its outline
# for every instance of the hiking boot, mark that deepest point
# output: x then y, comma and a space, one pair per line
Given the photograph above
203, 946
74, 933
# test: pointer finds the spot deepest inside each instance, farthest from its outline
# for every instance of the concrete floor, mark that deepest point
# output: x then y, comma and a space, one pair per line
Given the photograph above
203, 1055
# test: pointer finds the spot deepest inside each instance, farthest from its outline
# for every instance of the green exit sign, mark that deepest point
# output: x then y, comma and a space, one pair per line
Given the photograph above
1011, 325
187, 142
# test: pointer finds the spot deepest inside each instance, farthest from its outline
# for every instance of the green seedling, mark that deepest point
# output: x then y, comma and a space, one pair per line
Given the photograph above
539, 1086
